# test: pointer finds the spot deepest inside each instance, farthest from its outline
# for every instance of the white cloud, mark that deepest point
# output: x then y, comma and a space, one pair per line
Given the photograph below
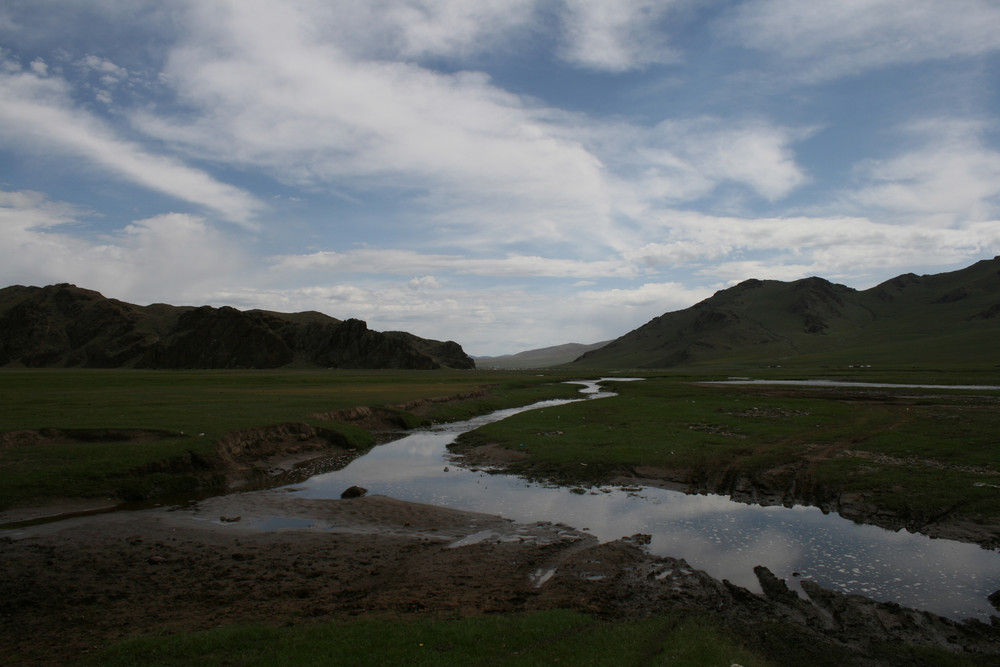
270, 92
828, 39
454, 29
269, 88
756, 154
680, 161
408, 262
170, 257
36, 114
616, 36
846, 248
424, 283
660, 297
109, 72
950, 178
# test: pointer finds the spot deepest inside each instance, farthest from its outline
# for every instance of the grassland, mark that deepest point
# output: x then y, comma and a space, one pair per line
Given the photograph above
552, 637
193, 409
915, 454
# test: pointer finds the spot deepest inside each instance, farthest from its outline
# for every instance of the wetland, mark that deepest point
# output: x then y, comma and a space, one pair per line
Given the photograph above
671, 499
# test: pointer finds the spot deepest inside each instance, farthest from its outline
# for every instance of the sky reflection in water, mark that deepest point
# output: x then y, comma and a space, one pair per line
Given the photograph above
724, 538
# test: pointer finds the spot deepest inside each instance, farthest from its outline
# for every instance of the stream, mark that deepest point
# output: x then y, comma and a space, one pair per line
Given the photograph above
711, 532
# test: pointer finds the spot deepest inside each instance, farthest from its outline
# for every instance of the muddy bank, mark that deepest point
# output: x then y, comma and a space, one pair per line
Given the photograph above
251, 458
72, 586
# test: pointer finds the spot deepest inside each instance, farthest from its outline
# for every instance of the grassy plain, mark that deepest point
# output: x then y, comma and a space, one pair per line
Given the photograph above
195, 408
924, 452
551, 637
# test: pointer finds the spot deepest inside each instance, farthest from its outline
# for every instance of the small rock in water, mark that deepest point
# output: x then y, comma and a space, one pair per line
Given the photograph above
230, 519
354, 492
994, 599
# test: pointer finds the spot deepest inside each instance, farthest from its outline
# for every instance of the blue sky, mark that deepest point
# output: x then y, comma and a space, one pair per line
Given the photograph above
508, 174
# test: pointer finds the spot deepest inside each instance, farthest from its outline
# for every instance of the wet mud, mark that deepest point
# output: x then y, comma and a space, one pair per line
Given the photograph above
271, 557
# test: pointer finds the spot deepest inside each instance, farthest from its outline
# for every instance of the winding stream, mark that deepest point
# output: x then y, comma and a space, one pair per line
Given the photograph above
724, 538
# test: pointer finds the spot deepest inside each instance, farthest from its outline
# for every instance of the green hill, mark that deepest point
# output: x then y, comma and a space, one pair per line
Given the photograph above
948, 319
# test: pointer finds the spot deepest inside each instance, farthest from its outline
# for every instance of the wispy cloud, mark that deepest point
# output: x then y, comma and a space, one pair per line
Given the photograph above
169, 256
617, 36
408, 262
37, 115
856, 249
822, 40
949, 178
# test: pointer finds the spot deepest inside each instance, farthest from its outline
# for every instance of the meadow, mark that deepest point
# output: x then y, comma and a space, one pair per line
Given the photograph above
916, 453
191, 410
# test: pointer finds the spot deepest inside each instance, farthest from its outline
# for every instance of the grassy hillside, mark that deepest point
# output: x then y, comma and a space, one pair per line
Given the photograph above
944, 320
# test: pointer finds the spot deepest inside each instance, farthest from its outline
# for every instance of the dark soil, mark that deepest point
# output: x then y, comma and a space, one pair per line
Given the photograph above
72, 586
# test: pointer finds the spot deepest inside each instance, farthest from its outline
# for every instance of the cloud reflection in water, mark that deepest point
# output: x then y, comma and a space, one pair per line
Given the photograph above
724, 538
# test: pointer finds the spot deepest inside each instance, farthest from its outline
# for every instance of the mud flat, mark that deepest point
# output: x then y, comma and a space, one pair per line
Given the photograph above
272, 557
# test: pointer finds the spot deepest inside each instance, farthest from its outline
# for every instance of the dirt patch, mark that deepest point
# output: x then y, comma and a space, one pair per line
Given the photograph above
390, 418
71, 586
487, 456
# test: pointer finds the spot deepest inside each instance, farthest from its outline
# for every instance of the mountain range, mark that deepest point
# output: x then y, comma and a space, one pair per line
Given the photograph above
67, 326
949, 318
545, 357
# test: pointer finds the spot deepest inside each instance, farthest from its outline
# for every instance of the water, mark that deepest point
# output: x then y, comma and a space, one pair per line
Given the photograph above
870, 385
724, 538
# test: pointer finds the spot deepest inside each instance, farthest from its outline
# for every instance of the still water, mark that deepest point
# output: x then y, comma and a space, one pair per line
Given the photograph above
712, 533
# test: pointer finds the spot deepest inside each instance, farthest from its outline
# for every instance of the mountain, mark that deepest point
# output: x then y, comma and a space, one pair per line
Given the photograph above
949, 318
64, 326
545, 357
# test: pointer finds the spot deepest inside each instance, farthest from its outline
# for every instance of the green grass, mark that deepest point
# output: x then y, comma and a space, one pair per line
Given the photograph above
926, 453
202, 405
551, 637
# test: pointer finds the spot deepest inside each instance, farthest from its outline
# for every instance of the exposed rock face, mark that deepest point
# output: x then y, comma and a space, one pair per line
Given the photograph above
65, 326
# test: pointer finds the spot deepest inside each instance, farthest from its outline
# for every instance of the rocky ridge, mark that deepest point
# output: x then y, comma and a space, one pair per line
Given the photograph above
66, 326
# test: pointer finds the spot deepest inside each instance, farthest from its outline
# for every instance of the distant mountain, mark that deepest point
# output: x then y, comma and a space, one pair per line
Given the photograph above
541, 358
66, 326
949, 318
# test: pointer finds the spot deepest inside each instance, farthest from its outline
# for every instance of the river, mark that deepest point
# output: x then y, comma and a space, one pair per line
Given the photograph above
711, 532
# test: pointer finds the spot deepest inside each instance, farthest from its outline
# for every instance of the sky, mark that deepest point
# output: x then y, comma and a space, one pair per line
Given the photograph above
507, 174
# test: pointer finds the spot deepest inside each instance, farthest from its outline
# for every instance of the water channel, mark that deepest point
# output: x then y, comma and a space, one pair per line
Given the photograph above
711, 532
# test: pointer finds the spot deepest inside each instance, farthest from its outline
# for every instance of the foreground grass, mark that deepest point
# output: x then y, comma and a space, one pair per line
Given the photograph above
552, 637
198, 407
927, 452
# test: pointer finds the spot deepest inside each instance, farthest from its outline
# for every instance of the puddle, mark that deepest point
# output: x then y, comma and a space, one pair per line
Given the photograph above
539, 577
712, 533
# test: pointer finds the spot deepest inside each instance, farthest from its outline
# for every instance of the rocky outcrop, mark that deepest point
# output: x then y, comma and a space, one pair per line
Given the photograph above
66, 326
